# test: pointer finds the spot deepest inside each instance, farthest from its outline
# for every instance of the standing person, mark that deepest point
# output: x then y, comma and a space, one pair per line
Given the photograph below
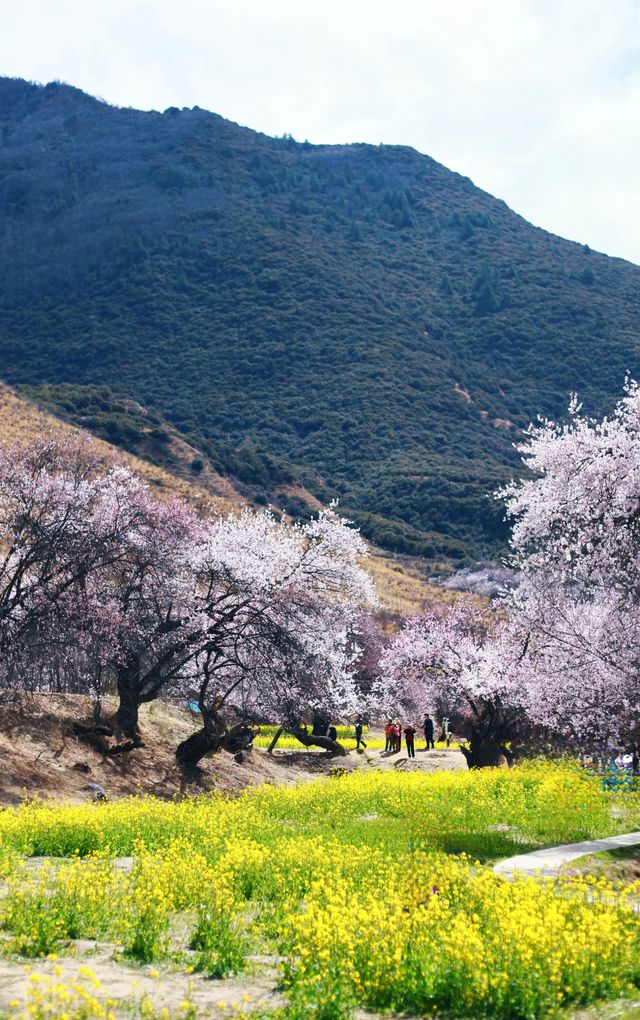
398, 735
388, 735
428, 731
409, 735
359, 724
393, 737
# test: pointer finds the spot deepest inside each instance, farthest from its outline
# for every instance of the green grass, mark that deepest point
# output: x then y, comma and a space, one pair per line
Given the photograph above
621, 865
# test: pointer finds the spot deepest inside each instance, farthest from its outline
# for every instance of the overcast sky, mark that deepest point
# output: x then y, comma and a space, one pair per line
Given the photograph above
538, 101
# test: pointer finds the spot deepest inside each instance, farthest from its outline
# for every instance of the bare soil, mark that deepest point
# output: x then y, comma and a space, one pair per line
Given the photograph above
164, 987
40, 757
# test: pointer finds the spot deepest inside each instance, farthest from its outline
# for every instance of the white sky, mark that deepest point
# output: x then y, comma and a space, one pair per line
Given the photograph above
537, 101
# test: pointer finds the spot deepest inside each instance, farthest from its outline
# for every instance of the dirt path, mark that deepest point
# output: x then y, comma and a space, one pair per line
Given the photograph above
163, 987
315, 763
425, 761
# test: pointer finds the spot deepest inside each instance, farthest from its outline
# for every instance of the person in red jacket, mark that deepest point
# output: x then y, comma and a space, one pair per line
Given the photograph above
388, 735
409, 736
393, 738
398, 735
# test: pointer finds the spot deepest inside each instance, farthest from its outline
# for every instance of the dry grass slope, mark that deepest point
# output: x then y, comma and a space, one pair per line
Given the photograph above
402, 585
21, 420
44, 759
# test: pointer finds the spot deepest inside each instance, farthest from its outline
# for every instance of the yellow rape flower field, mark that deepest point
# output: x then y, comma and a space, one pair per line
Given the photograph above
346, 736
369, 891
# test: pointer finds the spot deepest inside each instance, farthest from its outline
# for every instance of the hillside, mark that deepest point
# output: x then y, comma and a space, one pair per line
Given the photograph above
354, 320
401, 582
49, 761
22, 420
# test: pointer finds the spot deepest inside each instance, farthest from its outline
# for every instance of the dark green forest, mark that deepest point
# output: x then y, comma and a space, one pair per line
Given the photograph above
358, 317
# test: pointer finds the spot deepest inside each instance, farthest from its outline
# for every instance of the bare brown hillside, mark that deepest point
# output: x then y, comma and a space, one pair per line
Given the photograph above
42, 758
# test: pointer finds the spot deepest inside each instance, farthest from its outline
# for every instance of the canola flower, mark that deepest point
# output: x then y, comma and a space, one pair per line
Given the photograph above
54, 997
373, 889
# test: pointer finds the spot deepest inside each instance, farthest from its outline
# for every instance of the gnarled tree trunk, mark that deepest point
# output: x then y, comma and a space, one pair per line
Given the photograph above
314, 740
491, 728
211, 737
127, 680
481, 754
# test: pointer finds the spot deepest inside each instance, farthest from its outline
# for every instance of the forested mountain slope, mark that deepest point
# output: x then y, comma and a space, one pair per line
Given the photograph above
356, 317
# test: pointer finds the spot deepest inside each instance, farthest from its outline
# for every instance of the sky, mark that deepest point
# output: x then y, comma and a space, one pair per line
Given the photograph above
537, 101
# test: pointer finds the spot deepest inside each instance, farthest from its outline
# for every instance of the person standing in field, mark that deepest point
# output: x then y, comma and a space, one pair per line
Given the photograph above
398, 735
409, 736
388, 735
358, 727
393, 737
428, 731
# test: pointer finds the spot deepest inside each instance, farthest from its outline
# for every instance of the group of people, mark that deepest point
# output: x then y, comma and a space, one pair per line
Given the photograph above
393, 736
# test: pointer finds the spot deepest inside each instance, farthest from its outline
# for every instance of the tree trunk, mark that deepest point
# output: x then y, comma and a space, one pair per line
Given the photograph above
311, 740
211, 737
192, 750
490, 731
126, 721
95, 737
276, 738
485, 754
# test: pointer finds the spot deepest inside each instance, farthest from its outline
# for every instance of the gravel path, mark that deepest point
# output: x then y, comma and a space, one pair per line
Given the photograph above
548, 863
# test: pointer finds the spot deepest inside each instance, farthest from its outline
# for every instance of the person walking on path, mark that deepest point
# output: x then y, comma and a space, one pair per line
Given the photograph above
409, 735
428, 731
358, 726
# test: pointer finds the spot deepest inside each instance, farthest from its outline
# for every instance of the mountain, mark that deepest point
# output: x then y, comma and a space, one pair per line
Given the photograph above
348, 321
401, 582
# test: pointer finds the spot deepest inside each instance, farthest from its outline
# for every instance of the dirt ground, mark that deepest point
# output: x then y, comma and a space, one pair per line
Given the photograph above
40, 757
129, 984
622, 865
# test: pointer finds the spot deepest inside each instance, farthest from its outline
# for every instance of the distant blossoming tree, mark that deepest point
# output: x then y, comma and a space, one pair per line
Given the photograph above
275, 604
462, 656
65, 517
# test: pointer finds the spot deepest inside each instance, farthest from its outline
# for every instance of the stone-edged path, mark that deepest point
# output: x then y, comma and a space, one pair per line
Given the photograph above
547, 863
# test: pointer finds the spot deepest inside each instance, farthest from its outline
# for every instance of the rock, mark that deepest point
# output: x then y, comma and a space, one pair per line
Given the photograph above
97, 791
